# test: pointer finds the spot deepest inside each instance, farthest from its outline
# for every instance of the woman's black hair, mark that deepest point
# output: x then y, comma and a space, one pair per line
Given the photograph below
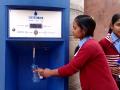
87, 23
114, 19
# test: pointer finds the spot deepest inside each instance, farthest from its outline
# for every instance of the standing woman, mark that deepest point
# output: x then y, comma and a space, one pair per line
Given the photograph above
90, 59
111, 47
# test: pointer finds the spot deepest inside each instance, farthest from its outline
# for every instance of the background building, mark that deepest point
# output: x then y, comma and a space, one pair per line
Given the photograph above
102, 11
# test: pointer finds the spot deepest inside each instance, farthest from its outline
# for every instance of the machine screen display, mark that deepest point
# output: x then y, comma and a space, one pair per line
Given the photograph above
35, 25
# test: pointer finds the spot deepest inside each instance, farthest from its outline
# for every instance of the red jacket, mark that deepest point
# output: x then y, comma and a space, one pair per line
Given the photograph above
112, 55
92, 64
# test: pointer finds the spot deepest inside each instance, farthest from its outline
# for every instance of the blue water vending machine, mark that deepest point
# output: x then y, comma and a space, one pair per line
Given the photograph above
33, 33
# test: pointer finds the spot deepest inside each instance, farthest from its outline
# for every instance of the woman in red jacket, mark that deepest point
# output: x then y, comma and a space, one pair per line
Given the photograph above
90, 59
111, 47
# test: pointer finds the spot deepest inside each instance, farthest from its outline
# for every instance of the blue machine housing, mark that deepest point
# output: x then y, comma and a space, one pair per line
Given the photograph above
16, 53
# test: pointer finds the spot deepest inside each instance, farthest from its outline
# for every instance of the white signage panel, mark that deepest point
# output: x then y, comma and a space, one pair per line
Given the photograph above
34, 24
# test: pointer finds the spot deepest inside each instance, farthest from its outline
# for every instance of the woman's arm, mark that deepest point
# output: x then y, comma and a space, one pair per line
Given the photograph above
47, 72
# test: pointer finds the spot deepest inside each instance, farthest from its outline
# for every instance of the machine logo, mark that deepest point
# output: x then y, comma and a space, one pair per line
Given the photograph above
35, 16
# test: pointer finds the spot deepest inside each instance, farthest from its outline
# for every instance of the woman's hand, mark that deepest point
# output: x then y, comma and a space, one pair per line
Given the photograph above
44, 72
47, 72
115, 70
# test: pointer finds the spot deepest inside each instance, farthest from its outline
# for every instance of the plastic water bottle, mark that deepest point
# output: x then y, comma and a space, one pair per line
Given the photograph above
35, 77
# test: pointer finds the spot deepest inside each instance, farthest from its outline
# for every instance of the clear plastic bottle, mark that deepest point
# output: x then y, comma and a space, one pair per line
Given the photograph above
35, 77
